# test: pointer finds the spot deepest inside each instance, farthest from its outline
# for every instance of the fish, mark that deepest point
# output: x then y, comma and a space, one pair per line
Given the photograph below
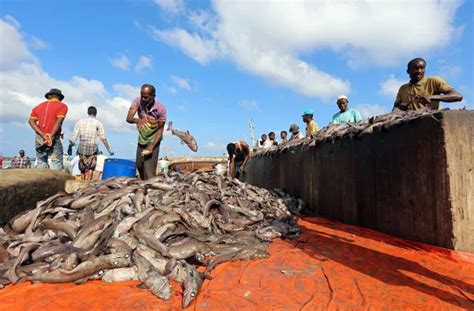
191, 286
185, 137
84, 269
120, 274
155, 231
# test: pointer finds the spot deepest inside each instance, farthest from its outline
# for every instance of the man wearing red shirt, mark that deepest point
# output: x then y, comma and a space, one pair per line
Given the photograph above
46, 120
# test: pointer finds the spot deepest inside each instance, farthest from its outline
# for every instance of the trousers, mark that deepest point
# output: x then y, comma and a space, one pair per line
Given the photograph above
146, 165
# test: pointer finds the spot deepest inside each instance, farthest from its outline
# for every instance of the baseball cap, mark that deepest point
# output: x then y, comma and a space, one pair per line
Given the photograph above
342, 97
294, 128
307, 112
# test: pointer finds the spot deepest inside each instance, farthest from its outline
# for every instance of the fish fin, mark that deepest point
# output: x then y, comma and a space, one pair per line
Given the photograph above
187, 132
142, 286
170, 126
182, 142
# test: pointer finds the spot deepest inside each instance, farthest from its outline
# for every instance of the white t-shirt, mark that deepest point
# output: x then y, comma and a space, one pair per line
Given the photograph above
99, 167
267, 144
297, 136
74, 165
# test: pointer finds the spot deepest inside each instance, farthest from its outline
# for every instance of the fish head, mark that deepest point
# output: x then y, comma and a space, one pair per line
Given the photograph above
192, 285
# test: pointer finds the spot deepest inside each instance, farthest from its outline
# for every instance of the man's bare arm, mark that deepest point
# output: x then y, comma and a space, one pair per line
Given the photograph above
132, 120
450, 96
35, 127
158, 136
56, 127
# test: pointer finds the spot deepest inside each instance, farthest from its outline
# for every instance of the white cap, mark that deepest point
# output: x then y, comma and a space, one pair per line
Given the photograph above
342, 97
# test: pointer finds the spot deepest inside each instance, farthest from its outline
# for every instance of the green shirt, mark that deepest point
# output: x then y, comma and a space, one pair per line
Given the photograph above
351, 115
425, 87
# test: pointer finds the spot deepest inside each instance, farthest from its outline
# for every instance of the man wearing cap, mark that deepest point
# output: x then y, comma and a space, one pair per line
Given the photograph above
295, 132
46, 120
345, 114
422, 91
150, 124
88, 131
311, 126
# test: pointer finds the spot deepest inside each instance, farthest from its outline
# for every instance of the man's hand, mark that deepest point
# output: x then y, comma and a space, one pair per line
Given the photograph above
424, 100
140, 123
147, 151
241, 169
47, 140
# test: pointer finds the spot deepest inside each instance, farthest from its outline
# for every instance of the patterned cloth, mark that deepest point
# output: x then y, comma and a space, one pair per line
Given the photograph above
88, 130
87, 163
20, 162
155, 115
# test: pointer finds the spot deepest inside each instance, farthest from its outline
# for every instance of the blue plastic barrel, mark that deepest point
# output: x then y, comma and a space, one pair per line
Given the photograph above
118, 167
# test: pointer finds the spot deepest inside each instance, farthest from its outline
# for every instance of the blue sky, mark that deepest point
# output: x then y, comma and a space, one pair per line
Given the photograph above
218, 64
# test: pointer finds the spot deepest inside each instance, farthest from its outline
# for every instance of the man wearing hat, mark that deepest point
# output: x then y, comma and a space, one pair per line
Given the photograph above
295, 132
311, 126
345, 114
46, 120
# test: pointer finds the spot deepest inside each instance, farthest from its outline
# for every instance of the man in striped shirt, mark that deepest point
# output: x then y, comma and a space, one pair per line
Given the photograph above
150, 122
46, 120
89, 130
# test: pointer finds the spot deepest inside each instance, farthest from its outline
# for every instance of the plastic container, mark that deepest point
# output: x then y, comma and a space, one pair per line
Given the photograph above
118, 167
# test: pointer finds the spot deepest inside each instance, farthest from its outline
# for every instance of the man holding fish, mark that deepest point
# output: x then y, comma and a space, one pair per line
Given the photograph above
150, 124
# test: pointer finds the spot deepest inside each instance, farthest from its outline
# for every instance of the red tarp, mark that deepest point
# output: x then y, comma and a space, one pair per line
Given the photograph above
331, 266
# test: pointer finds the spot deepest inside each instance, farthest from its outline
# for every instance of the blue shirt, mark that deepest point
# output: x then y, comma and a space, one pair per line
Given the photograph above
350, 115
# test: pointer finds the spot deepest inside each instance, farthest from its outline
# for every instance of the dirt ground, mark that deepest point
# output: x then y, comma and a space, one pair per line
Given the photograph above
20, 189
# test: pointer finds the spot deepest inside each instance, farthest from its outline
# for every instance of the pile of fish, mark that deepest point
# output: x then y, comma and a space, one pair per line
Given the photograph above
333, 132
153, 231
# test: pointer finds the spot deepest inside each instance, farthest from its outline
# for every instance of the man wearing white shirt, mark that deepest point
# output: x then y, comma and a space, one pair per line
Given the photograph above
99, 166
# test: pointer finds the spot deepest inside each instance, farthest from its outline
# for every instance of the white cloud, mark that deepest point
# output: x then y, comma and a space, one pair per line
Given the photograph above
212, 146
13, 49
12, 21
79, 92
203, 20
127, 91
38, 44
368, 110
193, 45
121, 62
181, 82
449, 72
171, 6
182, 108
249, 105
144, 62
20, 124
248, 33
389, 87
172, 90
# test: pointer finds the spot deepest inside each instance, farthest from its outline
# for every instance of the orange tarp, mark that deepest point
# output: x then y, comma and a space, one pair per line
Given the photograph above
331, 266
